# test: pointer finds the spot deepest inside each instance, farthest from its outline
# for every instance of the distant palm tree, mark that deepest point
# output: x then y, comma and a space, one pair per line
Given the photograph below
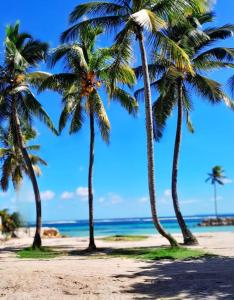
175, 84
12, 162
135, 19
17, 102
216, 176
89, 72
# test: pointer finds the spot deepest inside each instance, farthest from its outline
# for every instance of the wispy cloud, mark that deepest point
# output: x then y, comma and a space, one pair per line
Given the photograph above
82, 192
67, 195
189, 201
167, 193
227, 181
115, 198
101, 199
4, 194
47, 195
110, 199
143, 200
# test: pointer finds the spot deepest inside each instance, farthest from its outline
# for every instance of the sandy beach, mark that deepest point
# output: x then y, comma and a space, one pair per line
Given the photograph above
86, 277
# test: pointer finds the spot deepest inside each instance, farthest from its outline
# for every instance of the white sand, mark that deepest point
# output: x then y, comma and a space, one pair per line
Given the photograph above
79, 277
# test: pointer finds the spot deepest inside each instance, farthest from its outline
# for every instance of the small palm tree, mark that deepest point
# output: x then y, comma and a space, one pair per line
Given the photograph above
89, 72
216, 176
17, 102
175, 85
12, 161
134, 19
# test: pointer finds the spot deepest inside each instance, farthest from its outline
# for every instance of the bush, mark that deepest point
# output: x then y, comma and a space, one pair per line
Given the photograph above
10, 221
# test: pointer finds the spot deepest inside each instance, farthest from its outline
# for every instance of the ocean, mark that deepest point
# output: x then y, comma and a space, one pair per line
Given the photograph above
132, 226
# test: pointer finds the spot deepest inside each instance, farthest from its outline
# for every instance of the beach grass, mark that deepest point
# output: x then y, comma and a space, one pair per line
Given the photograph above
175, 253
124, 238
42, 253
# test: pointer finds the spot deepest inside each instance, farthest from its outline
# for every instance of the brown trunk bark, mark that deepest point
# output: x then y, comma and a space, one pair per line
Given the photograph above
215, 201
189, 238
92, 245
150, 143
37, 237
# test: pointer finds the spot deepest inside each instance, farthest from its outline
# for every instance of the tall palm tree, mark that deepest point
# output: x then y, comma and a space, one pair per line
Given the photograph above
89, 72
12, 161
17, 102
176, 85
216, 176
133, 19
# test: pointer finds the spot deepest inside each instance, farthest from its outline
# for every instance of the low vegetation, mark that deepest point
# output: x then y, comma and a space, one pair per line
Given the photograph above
42, 253
173, 253
124, 238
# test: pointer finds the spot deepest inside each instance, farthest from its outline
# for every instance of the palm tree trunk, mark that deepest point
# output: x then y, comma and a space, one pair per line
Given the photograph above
189, 238
215, 200
37, 237
150, 143
92, 245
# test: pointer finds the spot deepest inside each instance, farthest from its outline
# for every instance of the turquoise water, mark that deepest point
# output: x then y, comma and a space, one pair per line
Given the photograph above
130, 226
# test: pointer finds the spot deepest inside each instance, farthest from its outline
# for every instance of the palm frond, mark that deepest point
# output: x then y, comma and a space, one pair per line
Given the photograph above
100, 8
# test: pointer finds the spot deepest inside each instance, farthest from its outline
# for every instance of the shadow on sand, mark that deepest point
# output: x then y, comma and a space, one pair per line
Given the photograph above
208, 278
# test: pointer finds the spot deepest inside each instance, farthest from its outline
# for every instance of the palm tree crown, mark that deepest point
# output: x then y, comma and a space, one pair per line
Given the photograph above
216, 176
22, 53
89, 72
131, 18
204, 58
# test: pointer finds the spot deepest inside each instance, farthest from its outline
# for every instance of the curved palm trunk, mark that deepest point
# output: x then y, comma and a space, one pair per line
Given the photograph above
189, 238
92, 245
215, 200
37, 236
150, 143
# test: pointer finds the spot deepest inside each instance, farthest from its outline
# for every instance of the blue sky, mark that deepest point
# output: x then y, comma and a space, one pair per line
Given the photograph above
120, 175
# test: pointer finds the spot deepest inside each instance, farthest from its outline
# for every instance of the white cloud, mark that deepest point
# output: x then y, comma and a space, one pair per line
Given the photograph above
143, 200
67, 195
227, 181
82, 192
47, 195
167, 193
115, 199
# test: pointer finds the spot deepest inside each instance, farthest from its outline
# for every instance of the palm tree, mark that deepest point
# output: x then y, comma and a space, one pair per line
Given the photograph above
18, 103
216, 176
176, 85
89, 70
134, 19
12, 161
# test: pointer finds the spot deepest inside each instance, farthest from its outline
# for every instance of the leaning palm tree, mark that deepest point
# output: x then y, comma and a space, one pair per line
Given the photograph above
216, 176
175, 85
12, 161
89, 72
134, 19
18, 103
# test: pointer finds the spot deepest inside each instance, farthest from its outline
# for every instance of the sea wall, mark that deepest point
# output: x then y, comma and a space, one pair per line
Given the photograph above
217, 222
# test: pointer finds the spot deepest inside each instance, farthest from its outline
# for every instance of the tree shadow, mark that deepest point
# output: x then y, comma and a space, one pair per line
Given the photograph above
207, 278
